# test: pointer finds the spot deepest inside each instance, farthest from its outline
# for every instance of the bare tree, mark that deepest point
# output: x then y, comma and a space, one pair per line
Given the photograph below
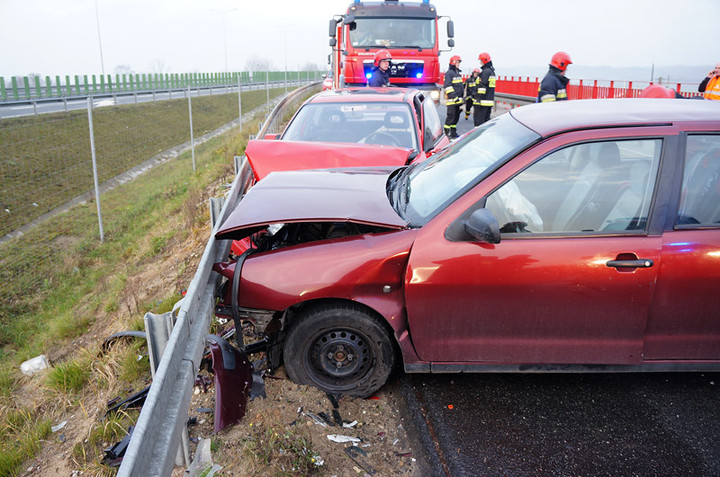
158, 66
123, 70
310, 66
258, 63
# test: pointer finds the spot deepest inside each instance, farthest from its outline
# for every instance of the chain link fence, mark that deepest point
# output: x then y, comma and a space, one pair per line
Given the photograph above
47, 197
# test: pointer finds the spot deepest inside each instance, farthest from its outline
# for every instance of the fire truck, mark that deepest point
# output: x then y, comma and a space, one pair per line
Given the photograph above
409, 30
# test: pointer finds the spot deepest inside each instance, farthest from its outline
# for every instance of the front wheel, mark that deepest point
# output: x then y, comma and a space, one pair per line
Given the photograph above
339, 349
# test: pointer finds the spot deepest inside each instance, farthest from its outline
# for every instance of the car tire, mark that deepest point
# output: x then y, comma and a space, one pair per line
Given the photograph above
340, 349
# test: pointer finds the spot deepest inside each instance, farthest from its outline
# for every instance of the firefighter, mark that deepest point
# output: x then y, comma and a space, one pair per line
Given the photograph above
471, 86
381, 72
554, 84
453, 96
485, 95
710, 85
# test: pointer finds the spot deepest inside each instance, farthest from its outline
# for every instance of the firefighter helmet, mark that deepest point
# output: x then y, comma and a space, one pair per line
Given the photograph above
485, 58
476, 70
455, 59
560, 60
382, 55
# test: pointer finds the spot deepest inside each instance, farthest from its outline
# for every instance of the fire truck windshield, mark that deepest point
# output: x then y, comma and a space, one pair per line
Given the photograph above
393, 33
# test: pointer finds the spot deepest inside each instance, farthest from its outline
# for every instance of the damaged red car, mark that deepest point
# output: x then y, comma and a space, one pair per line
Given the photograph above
573, 236
345, 127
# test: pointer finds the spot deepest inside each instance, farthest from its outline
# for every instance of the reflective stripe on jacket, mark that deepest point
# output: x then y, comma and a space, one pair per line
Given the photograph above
453, 86
711, 88
486, 90
552, 87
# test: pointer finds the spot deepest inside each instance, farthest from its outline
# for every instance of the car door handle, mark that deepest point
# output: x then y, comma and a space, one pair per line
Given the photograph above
640, 263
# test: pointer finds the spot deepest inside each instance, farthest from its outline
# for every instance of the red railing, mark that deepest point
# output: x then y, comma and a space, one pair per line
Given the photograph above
587, 89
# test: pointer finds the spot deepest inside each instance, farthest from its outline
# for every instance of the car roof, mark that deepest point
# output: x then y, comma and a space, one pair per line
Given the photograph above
364, 95
551, 118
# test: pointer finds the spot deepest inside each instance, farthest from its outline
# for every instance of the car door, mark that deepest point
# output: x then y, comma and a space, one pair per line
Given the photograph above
684, 321
572, 278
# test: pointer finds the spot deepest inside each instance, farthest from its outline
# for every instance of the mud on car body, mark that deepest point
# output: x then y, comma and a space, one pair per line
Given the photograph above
578, 236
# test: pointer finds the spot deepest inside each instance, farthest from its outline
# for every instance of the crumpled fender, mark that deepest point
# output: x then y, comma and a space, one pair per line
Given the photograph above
233, 381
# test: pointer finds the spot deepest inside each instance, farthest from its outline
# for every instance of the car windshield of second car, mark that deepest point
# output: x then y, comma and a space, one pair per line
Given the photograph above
378, 123
422, 191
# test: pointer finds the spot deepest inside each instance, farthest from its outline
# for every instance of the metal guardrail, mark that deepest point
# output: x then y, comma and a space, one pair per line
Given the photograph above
159, 428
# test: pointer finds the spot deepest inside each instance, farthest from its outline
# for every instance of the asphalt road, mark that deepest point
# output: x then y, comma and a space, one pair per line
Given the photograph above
572, 424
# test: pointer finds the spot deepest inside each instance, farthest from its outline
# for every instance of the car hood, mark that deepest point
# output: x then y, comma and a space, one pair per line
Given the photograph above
329, 195
266, 156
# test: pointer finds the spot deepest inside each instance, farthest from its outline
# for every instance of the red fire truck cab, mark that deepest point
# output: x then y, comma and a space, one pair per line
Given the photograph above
409, 30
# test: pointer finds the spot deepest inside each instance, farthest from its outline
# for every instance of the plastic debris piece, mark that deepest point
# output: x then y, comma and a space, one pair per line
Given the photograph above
359, 456
58, 427
341, 439
349, 425
450, 406
203, 410
114, 455
110, 340
34, 365
202, 463
325, 418
316, 419
258, 386
133, 402
374, 397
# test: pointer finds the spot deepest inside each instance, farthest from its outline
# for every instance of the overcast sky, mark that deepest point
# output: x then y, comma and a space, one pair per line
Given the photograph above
59, 37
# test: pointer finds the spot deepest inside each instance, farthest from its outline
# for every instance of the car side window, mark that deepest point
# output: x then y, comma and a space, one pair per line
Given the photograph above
433, 126
700, 198
590, 187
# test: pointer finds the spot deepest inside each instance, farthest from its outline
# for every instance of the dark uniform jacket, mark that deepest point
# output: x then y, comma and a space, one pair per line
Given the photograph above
553, 86
379, 77
453, 86
471, 86
486, 88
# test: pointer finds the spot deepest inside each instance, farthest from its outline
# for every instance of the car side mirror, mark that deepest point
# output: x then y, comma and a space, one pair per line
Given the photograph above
271, 136
483, 226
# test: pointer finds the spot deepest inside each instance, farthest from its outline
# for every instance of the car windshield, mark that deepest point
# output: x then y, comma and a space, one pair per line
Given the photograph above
380, 123
393, 33
421, 191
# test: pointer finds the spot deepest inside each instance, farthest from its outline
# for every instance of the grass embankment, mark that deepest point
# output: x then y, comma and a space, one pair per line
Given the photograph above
46, 160
89, 289
34, 158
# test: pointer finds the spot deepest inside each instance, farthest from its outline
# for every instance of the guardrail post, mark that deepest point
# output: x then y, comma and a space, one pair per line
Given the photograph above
3, 93
158, 329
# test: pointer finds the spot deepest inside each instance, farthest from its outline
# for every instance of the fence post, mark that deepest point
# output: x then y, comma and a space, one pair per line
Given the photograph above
192, 138
26, 82
3, 92
240, 102
94, 164
267, 92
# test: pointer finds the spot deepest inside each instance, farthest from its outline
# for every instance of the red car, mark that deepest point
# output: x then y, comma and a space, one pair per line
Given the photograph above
572, 236
403, 122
